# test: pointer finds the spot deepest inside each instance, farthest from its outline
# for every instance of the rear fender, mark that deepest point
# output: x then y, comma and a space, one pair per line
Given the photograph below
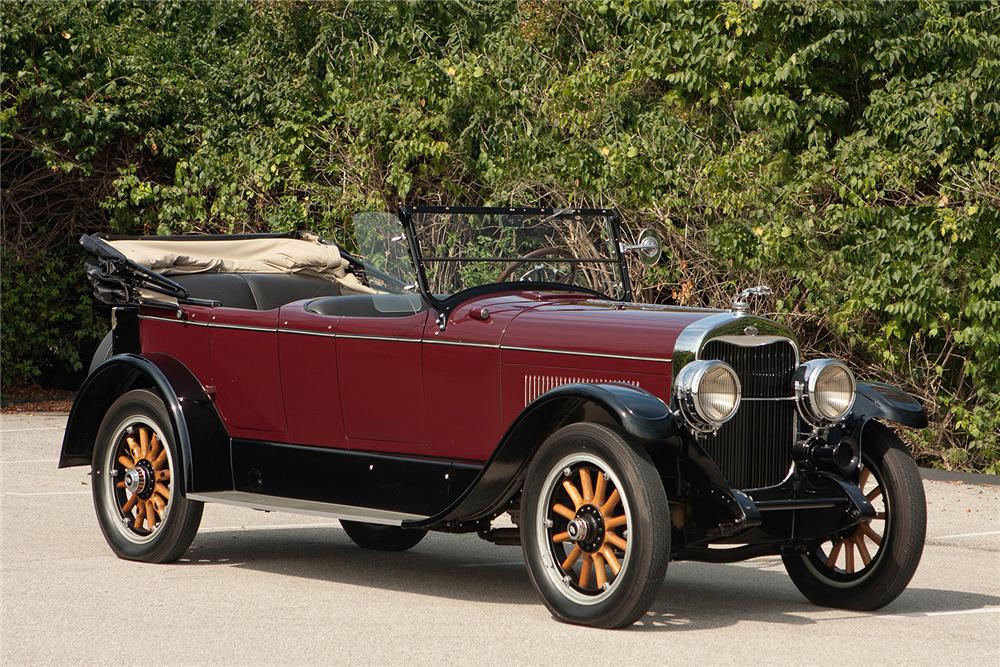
637, 412
198, 431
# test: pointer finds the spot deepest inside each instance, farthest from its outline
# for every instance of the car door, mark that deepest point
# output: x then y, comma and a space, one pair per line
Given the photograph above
307, 352
352, 374
244, 352
380, 373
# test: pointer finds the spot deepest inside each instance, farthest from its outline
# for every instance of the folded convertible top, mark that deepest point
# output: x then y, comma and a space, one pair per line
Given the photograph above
252, 255
298, 253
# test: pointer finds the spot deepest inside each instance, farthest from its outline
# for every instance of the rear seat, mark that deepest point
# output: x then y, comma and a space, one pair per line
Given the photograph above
255, 291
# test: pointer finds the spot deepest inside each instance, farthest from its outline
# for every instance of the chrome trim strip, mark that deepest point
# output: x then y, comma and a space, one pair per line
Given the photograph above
303, 332
393, 339
213, 325
774, 398
584, 354
242, 327
461, 344
173, 321
259, 501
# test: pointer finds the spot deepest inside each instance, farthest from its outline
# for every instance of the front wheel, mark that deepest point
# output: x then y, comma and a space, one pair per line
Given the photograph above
595, 527
136, 482
867, 566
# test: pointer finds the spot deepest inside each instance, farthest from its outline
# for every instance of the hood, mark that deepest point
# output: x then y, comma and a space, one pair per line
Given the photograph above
592, 326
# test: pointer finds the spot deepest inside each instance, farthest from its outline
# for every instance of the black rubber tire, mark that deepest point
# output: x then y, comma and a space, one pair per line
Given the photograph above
649, 531
896, 561
174, 535
101, 354
382, 538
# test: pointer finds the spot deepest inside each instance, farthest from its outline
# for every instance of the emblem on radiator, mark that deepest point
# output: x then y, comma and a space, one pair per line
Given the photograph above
536, 385
750, 330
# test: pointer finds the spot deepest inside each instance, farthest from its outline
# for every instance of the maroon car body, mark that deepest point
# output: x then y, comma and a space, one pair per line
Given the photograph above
433, 416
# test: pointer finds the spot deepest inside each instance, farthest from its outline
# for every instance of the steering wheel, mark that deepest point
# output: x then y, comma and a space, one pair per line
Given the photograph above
541, 272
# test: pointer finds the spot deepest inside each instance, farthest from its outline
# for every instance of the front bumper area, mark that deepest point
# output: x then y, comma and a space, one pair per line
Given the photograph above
803, 508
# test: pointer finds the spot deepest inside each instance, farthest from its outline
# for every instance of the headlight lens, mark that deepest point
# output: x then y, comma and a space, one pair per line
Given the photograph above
825, 391
708, 394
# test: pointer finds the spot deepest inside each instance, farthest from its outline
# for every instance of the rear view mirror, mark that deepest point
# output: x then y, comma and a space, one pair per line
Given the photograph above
648, 246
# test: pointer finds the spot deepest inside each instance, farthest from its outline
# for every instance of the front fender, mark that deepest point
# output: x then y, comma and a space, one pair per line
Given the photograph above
198, 431
640, 414
876, 400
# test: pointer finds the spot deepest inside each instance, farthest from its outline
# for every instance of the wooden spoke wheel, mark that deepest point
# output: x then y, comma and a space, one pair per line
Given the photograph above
868, 564
595, 526
588, 526
137, 482
849, 555
139, 472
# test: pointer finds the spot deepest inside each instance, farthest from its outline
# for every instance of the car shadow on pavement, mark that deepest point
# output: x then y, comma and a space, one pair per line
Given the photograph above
700, 596
695, 596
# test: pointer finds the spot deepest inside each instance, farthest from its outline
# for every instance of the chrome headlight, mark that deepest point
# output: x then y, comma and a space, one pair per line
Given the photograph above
824, 390
708, 394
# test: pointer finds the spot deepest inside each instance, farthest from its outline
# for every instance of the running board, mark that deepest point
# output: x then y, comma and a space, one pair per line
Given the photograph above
259, 501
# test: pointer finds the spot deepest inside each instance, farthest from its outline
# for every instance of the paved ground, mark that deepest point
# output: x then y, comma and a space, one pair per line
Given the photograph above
268, 588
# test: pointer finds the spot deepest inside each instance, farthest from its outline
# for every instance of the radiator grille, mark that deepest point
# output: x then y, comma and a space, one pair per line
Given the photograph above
754, 449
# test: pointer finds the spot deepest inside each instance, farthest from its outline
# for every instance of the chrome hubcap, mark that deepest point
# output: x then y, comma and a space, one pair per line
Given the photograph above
577, 530
136, 479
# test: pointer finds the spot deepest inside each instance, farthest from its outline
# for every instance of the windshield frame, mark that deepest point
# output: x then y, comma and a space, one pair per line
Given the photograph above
447, 304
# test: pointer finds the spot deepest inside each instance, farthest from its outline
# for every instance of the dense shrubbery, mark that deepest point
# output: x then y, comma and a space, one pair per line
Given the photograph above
844, 153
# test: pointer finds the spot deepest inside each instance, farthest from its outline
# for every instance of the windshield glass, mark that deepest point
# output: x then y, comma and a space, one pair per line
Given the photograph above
463, 248
385, 252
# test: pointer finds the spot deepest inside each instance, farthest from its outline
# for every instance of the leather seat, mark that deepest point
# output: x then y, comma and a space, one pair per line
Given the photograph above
367, 305
255, 291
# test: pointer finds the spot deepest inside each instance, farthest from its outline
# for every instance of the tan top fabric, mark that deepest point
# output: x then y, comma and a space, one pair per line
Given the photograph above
264, 255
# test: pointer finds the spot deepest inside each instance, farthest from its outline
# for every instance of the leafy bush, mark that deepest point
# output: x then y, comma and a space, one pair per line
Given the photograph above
844, 153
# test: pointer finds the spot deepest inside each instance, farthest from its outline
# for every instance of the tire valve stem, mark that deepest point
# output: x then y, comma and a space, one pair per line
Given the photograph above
567, 472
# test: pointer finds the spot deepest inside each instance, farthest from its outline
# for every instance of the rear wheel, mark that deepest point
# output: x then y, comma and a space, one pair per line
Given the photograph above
594, 527
382, 538
136, 485
867, 566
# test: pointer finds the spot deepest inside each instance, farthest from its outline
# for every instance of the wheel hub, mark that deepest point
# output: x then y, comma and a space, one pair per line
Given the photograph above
139, 480
589, 524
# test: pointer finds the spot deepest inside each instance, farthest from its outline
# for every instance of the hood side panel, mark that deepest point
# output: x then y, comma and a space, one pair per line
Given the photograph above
602, 327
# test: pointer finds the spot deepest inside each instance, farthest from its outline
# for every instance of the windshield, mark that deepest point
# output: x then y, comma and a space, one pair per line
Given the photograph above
385, 253
463, 248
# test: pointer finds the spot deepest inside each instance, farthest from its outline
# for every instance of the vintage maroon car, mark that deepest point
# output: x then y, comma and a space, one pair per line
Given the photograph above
469, 363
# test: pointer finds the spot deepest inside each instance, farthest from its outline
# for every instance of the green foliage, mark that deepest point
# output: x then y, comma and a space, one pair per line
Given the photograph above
47, 316
845, 153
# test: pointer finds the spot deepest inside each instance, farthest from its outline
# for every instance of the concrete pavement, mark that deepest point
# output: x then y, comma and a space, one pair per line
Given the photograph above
279, 589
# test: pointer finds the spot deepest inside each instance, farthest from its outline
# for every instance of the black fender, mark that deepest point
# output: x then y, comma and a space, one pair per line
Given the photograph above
198, 431
639, 413
876, 400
